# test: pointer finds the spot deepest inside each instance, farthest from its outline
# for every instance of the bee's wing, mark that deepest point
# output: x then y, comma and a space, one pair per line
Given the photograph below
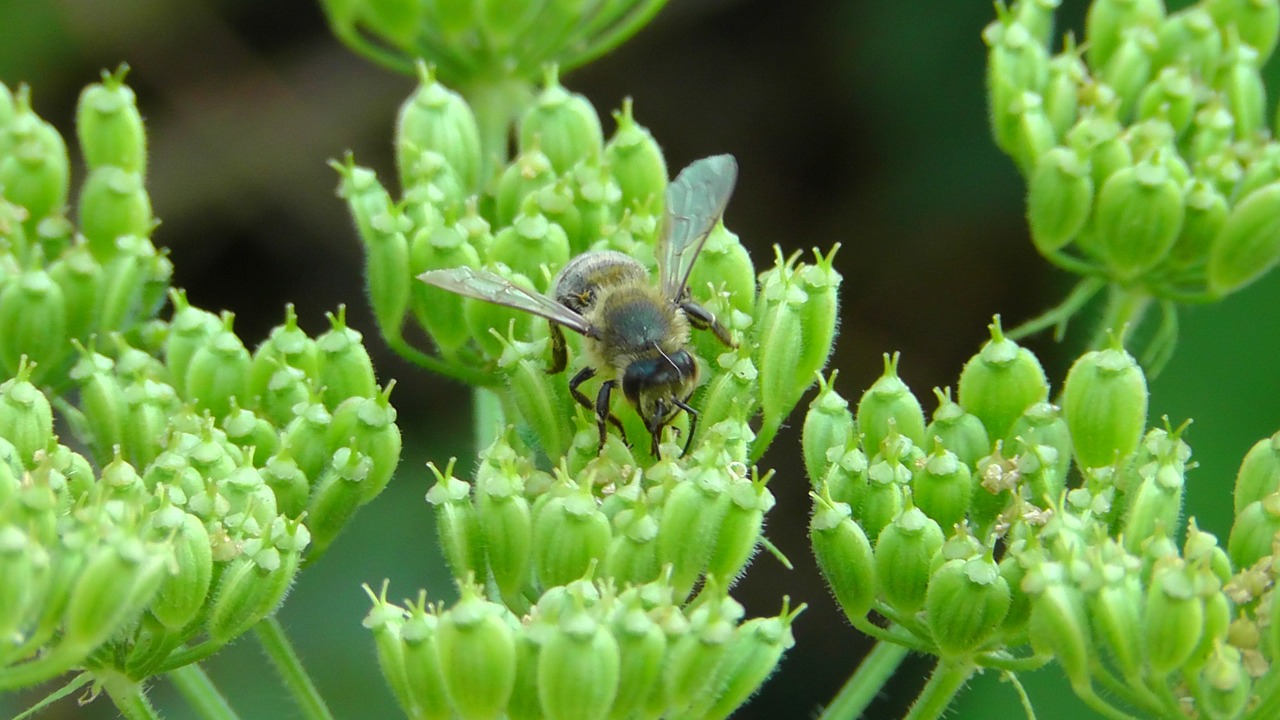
484, 285
695, 203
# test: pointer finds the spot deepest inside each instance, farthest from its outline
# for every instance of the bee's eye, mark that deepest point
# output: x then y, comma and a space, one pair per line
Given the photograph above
656, 372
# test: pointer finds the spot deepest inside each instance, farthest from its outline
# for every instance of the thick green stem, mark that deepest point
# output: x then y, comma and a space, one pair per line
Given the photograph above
1125, 309
282, 655
128, 696
497, 104
866, 682
201, 694
488, 417
947, 679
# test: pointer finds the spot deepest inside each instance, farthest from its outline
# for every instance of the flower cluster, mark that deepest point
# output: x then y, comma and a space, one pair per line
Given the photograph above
1149, 158
973, 537
176, 524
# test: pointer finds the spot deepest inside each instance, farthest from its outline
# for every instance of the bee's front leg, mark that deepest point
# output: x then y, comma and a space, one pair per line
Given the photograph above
704, 319
602, 401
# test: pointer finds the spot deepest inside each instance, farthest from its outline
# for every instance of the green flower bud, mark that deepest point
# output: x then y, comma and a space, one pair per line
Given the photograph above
529, 172
955, 429
480, 316
368, 424
1225, 687
1259, 474
1240, 83
570, 533
33, 323
253, 584
436, 118
1108, 20
692, 657
740, 531
343, 366
183, 591
578, 669
506, 526
598, 199
287, 481
1172, 620
457, 523
113, 203
1001, 382
26, 417
943, 488
1254, 531
1139, 216
1058, 626
109, 125
827, 425
34, 171
439, 311
1190, 36
117, 581
965, 604
190, 329
1249, 244
691, 517
1104, 401
531, 242
889, 406
1257, 22
1130, 67
1206, 213
641, 648
79, 276
903, 555
339, 490
477, 656
218, 371
1059, 199
1016, 63
637, 163
563, 124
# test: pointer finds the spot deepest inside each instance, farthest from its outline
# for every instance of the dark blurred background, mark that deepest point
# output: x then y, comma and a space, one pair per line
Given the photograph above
861, 123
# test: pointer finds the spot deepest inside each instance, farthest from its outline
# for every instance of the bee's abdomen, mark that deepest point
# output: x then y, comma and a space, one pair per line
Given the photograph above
579, 282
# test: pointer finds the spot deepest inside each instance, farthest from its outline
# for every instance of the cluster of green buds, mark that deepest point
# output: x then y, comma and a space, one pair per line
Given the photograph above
479, 42
568, 191
1148, 154
595, 591
59, 281
177, 523
975, 539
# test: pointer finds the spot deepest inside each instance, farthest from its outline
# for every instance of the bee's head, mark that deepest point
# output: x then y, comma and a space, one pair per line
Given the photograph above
657, 386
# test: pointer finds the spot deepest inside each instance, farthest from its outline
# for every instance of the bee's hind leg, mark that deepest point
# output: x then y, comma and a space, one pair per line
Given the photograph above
601, 406
704, 319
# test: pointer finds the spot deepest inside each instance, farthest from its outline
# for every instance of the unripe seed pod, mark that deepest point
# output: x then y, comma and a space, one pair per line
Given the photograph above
1155, 502
1033, 134
633, 552
564, 124
524, 703
1190, 36
957, 430
641, 648
506, 526
965, 603
1225, 687
1212, 131
637, 163
477, 656
531, 242
828, 425
287, 346
733, 394
422, 666
529, 172
578, 669
26, 417
1059, 199
1016, 62
1257, 22
101, 399
287, 481
1249, 244
889, 406
887, 479
113, 203
382, 229
752, 657
1259, 474
1241, 86
1115, 608
34, 171
218, 371
439, 311
149, 408
338, 492
599, 200
1139, 215
1254, 530
109, 125
458, 524
692, 657
556, 203
250, 588
343, 366
1105, 406
1172, 96
33, 323
1129, 68
1172, 620
1107, 21
369, 426
480, 316
436, 118
691, 517
190, 329
570, 534
385, 621
1206, 213
434, 190
182, 593
1061, 96
904, 553
116, 582
740, 531
79, 276
943, 489
1001, 382
1058, 625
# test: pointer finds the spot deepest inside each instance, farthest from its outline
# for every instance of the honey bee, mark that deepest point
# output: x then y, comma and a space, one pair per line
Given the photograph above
635, 333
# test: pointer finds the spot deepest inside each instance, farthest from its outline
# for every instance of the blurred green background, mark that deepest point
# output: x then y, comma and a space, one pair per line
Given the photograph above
862, 123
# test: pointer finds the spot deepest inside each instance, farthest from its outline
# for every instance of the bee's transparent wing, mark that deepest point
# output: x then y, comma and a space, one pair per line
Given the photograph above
695, 203
484, 285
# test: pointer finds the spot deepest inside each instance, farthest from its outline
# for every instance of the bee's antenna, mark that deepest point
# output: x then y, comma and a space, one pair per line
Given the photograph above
668, 358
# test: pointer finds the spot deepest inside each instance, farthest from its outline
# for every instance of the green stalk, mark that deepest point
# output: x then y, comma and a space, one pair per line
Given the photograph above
73, 685
1124, 312
282, 655
947, 679
488, 418
866, 682
128, 696
497, 104
201, 694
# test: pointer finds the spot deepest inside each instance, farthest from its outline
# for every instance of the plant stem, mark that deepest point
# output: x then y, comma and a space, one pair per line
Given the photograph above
947, 679
1125, 310
278, 648
865, 682
73, 685
496, 104
128, 696
488, 418
201, 694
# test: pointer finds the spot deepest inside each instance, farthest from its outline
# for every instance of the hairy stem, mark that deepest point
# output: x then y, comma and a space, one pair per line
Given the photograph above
866, 682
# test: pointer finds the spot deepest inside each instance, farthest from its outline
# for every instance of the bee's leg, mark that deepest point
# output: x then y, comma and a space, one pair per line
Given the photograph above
559, 356
693, 421
584, 375
603, 415
704, 319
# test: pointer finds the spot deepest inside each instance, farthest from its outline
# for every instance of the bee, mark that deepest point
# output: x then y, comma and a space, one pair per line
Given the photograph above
635, 333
